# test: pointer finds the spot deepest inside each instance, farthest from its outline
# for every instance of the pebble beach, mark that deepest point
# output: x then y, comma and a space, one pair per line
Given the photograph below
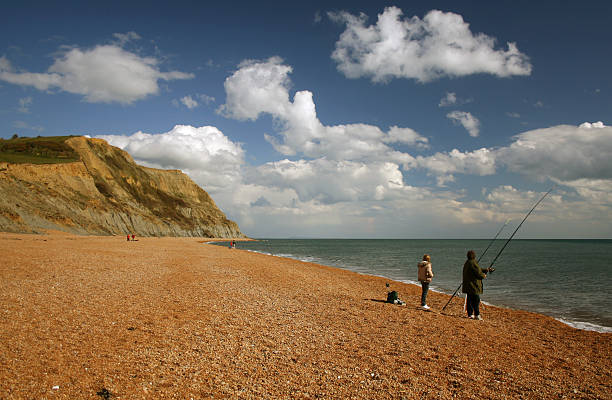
176, 318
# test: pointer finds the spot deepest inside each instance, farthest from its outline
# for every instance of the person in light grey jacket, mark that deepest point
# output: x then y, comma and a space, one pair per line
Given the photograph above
425, 276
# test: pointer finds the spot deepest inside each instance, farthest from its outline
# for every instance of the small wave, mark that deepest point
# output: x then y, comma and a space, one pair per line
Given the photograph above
310, 259
586, 326
417, 283
261, 252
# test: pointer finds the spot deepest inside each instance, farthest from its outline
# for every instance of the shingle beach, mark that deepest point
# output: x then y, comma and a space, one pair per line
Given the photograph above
100, 317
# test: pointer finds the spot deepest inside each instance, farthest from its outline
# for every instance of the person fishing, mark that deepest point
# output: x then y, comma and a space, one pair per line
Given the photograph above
425, 275
491, 269
472, 284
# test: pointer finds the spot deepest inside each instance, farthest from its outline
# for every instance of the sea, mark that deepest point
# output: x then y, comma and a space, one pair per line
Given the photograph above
569, 280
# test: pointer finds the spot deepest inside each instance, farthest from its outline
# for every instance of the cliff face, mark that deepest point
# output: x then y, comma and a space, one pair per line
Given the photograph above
107, 193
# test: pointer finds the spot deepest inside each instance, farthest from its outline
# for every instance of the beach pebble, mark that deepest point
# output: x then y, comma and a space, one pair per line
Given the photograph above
250, 326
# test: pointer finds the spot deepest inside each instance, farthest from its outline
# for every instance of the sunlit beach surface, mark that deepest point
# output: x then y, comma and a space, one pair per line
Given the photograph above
100, 317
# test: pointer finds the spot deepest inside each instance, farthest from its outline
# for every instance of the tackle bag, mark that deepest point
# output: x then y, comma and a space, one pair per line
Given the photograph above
392, 297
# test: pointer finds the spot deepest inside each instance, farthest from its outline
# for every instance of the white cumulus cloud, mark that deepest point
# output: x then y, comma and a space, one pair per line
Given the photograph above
589, 125
103, 74
441, 44
480, 162
123, 38
189, 102
467, 120
193, 101
263, 87
329, 181
205, 153
562, 152
448, 100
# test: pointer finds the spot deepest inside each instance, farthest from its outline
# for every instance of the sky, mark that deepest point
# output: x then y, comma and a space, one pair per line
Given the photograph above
337, 119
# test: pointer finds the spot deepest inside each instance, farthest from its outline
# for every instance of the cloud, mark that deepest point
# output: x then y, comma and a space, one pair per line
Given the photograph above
350, 179
448, 100
192, 102
508, 198
513, 115
467, 120
189, 102
25, 125
39, 81
206, 99
588, 125
570, 155
370, 198
261, 202
255, 88
205, 153
24, 105
259, 87
596, 192
263, 87
480, 162
563, 152
123, 38
441, 44
103, 74
329, 181
407, 136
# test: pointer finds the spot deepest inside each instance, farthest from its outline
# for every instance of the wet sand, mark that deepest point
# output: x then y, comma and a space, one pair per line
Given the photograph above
99, 317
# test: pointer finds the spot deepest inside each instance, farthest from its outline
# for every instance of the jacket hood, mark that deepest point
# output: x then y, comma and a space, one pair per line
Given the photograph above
423, 263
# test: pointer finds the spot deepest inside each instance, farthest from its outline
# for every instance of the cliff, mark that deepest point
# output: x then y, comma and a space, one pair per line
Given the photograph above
105, 192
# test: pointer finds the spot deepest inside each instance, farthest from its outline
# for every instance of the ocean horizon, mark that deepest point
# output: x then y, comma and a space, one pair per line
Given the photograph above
567, 279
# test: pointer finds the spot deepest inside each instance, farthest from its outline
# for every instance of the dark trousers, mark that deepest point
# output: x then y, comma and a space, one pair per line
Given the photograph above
473, 304
425, 289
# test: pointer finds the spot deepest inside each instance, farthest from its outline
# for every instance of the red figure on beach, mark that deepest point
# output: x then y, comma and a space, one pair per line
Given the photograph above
133, 237
128, 237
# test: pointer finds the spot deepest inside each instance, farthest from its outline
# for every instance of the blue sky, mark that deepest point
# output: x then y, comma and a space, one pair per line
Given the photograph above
336, 119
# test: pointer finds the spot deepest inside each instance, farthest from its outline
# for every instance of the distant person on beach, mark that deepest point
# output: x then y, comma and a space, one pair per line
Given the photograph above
425, 275
133, 237
128, 238
472, 284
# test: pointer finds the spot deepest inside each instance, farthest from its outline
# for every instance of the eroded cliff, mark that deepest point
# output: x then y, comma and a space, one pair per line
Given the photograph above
106, 192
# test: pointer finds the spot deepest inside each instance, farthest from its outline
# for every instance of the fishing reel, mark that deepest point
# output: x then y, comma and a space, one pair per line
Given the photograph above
490, 270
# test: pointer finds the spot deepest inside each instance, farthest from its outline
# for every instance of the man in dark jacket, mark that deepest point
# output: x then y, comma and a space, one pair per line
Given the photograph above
472, 284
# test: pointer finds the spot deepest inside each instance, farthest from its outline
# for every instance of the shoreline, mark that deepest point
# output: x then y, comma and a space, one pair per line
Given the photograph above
581, 325
168, 317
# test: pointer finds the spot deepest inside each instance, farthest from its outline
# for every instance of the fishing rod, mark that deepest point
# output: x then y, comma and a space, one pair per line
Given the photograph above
517, 228
493, 240
482, 255
491, 269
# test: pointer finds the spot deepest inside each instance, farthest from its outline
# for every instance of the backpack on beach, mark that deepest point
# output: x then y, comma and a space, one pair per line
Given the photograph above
392, 297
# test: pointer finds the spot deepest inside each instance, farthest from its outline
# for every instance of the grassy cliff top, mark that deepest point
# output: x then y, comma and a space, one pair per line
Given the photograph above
38, 150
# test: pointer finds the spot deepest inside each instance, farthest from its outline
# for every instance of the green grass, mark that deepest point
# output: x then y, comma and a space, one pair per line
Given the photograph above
39, 150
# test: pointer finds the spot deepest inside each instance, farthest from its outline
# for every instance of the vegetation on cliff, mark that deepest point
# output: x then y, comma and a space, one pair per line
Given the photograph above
38, 150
